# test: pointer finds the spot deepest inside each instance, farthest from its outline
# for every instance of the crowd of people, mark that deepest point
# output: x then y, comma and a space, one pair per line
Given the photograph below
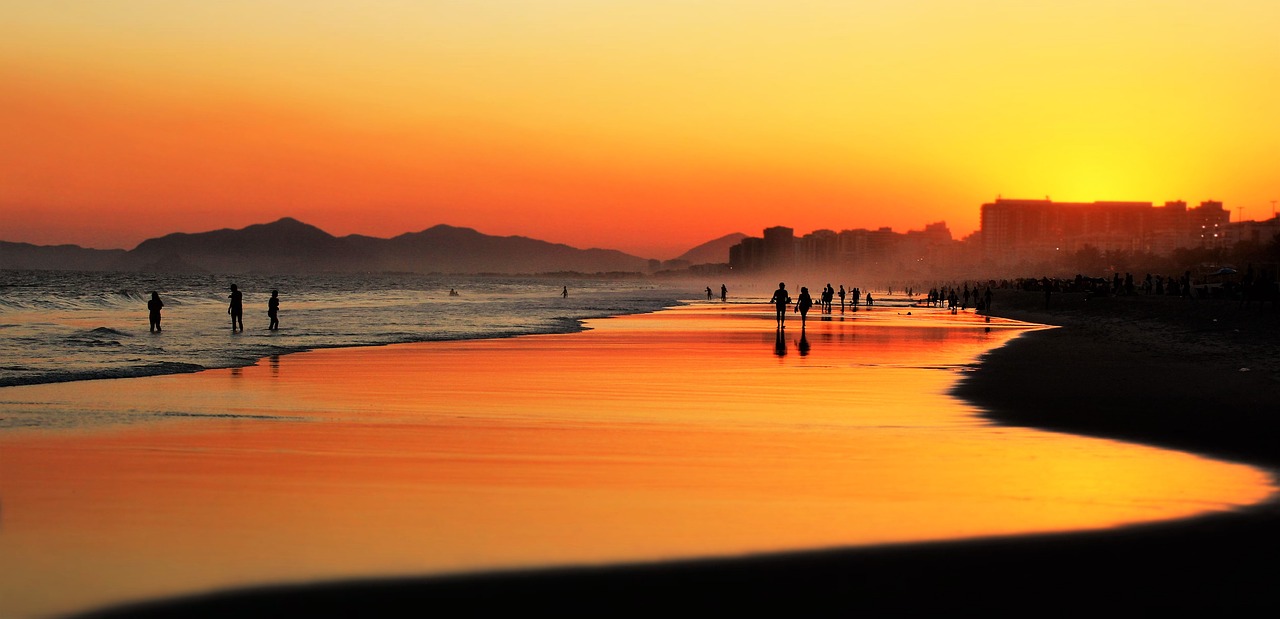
781, 300
1245, 288
1248, 287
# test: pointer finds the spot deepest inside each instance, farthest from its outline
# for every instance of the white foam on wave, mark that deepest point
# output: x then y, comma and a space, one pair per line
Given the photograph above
67, 326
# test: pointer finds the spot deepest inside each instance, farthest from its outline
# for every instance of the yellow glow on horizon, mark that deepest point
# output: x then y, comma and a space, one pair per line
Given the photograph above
479, 113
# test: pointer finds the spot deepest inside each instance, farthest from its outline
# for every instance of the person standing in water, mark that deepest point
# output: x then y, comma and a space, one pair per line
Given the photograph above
724, 293
780, 300
273, 310
153, 311
236, 308
565, 292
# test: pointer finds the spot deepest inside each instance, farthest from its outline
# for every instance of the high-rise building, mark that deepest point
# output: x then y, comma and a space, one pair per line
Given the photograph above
1033, 230
779, 246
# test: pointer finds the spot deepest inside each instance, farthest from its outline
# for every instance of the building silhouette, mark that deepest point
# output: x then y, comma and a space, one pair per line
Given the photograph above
848, 250
1016, 231
1014, 234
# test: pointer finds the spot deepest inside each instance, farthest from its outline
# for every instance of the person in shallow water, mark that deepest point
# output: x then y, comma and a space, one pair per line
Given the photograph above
153, 311
236, 308
273, 310
780, 300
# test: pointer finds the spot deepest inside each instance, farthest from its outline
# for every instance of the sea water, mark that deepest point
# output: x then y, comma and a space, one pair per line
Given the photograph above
58, 326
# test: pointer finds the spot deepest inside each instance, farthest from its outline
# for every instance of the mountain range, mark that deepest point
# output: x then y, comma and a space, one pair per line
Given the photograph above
291, 246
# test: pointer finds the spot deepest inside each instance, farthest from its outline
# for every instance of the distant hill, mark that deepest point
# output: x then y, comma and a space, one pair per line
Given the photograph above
713, 252
291, 246
463, 250
287, 245
57, 257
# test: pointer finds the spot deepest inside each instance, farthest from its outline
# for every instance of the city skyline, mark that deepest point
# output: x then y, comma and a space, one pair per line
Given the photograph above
1126, 235
581, 123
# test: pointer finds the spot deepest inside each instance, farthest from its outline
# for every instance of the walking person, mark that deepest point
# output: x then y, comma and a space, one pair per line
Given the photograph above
273, 310
780, 300
803, 306
236, 308
153, 311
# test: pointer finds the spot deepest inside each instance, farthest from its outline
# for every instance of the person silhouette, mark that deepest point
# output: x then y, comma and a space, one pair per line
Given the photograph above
273, 310
803, 306
870, 301
841, 298
780, 300
153, 311
236, 308
708, 293
565, 293
724, 293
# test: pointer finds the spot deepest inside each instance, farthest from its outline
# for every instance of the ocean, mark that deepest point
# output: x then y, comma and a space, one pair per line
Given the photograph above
58, 326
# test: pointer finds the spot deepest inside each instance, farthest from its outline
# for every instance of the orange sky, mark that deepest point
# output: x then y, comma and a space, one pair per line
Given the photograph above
643, 126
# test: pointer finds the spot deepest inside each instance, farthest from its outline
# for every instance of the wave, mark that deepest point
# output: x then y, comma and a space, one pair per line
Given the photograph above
229, 416
55, 346
42, 376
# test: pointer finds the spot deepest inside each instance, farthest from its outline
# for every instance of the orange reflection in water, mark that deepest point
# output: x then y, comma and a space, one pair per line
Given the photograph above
675, 434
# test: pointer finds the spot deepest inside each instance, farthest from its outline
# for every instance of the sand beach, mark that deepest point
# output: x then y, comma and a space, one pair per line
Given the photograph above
291, 442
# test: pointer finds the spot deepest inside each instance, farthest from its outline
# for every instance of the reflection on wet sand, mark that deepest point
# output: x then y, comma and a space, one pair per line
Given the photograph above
649, 437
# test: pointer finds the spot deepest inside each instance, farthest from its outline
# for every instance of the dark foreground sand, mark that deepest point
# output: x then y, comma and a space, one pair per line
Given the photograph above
1164, 371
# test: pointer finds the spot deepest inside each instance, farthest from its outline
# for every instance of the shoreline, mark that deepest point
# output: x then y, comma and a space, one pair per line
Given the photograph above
1205, 562
566, 325
1192, 375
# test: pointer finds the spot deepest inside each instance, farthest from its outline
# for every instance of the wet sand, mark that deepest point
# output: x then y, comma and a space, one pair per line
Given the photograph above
1203, 563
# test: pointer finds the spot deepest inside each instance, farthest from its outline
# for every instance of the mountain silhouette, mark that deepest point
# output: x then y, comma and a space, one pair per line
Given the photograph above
452, 249
291, 246
286, 245
24, 256
714, 251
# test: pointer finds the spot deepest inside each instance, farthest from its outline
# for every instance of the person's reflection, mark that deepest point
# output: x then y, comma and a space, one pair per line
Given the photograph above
274, 360
780, 343
803, 344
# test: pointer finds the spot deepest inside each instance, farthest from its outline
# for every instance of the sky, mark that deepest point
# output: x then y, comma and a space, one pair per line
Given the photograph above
648, 126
